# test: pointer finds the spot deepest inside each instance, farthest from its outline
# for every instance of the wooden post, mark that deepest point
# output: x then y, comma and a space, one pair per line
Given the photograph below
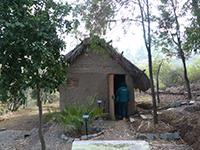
111, 94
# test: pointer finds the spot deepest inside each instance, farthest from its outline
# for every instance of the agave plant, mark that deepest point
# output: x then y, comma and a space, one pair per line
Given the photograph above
71, 116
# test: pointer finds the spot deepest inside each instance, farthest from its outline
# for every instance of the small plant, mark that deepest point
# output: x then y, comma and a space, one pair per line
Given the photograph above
3, 108
71, 116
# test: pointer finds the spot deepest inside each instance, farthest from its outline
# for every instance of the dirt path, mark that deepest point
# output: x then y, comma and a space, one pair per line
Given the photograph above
24, 122
24, 119
115, 130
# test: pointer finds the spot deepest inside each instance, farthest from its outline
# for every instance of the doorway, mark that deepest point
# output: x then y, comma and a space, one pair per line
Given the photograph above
119, 79
114, 82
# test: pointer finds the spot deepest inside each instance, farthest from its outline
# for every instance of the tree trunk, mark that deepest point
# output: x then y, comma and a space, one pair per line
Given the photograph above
180, 50
187, 82
39, 102
147, 40
155, 115
157, 82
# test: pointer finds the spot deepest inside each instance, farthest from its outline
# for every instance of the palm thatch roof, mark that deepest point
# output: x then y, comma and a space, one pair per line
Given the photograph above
140, 79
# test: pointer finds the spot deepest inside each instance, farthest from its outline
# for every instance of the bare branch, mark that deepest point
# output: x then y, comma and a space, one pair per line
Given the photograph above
125, 20
143, 25
149, 24
172, 35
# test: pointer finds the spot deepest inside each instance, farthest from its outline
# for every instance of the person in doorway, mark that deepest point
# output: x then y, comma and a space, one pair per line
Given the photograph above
122, 98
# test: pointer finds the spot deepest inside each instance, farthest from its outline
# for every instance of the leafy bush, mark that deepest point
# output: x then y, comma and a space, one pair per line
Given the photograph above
46, 97
71, 116
3, 108
194, 70
170, 74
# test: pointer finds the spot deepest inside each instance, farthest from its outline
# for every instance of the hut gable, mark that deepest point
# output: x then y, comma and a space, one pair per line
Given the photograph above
139, 78
92, 62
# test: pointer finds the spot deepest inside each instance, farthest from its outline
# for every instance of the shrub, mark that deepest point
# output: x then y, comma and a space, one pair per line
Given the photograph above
170, 74
71, 117
46, 97
194, 70
3, 108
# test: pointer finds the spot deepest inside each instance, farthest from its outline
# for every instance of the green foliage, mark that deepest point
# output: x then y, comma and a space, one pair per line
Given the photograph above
96, 43
95, 14
170, 74
3, 108
71, 116
193, 31
45, 96
167, 26
172, 32
194, 70
30, 46
156, 63
193, 39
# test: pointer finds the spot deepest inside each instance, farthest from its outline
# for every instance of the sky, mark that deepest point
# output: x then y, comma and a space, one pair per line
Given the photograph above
130, 41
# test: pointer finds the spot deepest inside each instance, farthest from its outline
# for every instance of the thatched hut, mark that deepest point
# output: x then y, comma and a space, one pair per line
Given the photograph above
96, 68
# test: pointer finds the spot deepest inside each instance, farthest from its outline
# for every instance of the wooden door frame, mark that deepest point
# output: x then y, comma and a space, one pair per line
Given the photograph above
111, 103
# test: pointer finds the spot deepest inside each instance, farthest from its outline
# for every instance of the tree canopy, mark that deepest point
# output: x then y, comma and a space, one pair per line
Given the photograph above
192, 43
30, 45
30, 49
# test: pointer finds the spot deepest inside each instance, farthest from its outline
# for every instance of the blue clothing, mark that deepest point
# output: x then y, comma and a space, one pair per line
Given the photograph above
123, 107
122, 94
122, 99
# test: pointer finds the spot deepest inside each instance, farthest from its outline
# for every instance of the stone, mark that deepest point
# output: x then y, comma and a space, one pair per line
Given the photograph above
170, 136
151, 136
111, 145
89, 136
96, 129
1, 119
175, 104
131, 119
145, 105
198, 98
64, 137
191, 102
192, 108
146, 136
141, 136
76, 139
159, 112
26, 135
84, 137
70, 140
2, 129
146, 117
184, 103
169, 109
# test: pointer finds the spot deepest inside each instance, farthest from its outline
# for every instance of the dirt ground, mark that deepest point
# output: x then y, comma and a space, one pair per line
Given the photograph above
24, 119
112, 130
21, 129
184, 119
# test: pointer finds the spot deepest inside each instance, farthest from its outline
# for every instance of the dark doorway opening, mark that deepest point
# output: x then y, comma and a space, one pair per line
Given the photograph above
119, 79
